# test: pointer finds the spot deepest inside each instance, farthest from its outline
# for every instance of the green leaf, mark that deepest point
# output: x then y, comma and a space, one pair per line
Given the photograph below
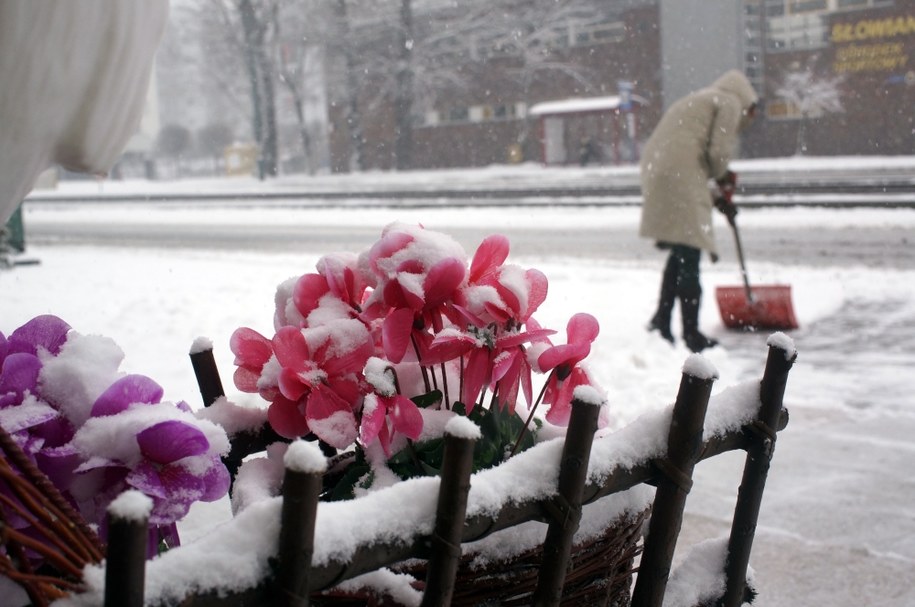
429, 399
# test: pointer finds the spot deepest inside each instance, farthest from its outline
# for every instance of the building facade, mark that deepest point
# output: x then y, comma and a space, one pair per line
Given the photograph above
858, 51
863, 51
485, 119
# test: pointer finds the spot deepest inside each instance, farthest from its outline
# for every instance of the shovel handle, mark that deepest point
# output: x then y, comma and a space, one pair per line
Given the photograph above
743, 265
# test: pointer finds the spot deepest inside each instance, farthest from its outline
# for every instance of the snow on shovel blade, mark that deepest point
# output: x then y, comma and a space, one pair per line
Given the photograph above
770, 309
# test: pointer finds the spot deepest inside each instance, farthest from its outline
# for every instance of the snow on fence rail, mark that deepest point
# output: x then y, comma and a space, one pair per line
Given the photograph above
285, 550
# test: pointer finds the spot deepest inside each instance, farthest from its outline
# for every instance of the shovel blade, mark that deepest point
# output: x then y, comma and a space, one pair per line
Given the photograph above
770, 309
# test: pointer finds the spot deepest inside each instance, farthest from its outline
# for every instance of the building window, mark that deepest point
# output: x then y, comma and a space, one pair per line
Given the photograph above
806, 6
797, 32
503, 112
779, 109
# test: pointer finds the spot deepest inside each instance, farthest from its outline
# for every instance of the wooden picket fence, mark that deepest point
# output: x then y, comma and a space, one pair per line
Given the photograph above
295, 578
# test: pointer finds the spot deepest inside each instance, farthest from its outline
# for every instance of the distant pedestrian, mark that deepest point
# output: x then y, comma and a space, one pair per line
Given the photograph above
692, 144
587, 151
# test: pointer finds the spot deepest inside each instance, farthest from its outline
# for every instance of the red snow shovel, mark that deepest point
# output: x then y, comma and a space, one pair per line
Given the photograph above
765, 307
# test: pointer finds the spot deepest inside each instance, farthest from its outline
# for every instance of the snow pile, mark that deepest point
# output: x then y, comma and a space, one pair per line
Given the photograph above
700, 579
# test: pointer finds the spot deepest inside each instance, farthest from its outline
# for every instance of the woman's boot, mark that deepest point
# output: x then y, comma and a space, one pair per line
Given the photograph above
660, 322
689, 308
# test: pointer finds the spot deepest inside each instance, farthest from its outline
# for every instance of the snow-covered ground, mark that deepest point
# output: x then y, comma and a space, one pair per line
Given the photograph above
837, 524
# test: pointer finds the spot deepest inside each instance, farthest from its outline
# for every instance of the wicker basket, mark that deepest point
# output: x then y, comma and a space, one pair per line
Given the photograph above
600, 574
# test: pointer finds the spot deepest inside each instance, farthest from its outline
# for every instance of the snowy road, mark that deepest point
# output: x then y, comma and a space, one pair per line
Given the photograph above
803, 236
838, 521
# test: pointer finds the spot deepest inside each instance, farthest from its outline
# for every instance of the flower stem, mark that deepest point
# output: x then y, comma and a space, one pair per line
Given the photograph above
530, 416
445, 385
419, 359
461, 381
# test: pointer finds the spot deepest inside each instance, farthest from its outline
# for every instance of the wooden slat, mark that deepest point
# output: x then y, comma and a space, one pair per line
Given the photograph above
125, 562
207, 376
301, 492
684, 447
565, 508
762, 437
451, 509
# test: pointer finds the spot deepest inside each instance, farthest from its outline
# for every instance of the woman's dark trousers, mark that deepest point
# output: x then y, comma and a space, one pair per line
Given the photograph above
680, 281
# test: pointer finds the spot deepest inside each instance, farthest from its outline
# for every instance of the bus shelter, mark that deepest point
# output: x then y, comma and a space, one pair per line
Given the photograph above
602, 130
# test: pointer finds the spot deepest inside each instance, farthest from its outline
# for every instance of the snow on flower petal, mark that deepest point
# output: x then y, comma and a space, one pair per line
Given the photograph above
331, 418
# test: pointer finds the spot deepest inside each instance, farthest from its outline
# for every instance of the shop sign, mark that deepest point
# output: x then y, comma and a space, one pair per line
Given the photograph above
873, 45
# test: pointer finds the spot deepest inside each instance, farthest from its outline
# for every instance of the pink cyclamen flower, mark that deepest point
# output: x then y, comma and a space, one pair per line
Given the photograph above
500, 293
336, 291
417, 274
385, 416
563, 361
252, 351
492, 358
317, 382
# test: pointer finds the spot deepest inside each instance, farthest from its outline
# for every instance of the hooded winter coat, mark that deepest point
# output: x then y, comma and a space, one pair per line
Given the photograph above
693, 143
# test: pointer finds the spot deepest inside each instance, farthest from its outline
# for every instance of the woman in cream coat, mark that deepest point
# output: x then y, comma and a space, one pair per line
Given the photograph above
692, 145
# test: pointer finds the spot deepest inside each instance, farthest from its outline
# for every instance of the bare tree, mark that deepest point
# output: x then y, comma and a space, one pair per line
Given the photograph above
812, 97
256, 18
534, 33
212, 141
403, 101
173, 141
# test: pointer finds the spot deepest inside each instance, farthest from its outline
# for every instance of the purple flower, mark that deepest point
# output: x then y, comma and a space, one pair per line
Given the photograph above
127, 438
174, 486
124, 392
47, 331
18, 375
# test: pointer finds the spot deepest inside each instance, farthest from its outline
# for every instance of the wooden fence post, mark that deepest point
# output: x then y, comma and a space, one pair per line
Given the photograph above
565, 508
125, 562
461, 435
206, 372
756, 469
302, 485
683, 447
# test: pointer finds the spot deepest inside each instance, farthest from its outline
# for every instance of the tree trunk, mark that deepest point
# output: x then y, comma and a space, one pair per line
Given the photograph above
303, 128
270, 150
403, 104
353, 115
249, 31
